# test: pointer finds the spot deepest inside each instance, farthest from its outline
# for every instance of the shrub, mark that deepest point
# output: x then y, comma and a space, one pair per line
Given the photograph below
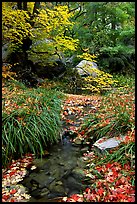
115, 117
6, 72
124, 81
71, 82
99, 83
30, 121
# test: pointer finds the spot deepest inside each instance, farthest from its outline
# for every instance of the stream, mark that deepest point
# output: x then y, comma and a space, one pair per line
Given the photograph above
61, 172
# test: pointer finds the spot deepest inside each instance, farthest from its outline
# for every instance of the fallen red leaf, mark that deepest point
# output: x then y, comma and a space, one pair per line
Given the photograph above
100, 191
12, 200
13, 191
5, 197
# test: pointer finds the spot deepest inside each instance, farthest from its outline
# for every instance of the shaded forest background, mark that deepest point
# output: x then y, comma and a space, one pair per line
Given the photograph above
51, 36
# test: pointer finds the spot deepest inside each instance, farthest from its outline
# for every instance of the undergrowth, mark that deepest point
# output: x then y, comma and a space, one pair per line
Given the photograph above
30, 119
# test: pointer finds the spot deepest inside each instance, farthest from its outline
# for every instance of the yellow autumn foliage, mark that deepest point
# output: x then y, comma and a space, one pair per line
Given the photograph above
100, 82
88, 57
7, 73
51, 24
48, 24
15, 25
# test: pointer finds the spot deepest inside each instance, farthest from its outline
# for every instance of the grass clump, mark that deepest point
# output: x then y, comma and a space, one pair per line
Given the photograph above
30, 120
115, 118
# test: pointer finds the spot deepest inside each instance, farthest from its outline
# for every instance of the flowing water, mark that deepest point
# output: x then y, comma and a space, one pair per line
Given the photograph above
59, 174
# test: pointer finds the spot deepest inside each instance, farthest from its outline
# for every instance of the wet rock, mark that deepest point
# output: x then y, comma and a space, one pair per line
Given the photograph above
78, 174
34, 188
61, 164
67, 172
57, 187
57, 172
27, 183
80, 163
41, 180
44, 192
59, 183
58, 175
40, 163
73, 184
36, 193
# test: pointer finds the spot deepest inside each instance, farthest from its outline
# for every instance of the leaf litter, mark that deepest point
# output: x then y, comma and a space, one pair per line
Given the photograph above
108, 182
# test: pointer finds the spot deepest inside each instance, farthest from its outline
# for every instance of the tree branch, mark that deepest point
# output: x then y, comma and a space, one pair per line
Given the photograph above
80, 14
73, 10
36, 6
19, 5
39, 52
25, 6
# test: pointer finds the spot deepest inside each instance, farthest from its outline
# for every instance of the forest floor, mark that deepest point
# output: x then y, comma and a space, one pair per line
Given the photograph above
110, 180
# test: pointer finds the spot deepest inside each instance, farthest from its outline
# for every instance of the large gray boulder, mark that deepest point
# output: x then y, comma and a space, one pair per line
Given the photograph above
27, 61
46, 67
87, 68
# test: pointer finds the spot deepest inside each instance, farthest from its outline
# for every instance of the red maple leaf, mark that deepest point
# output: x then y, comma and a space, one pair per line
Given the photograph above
13, 191
5, 197
100, 191
108, 165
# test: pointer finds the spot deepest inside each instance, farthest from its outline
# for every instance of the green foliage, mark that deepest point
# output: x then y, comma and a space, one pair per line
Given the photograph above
48, 30
119, 58
105, 28
30, 121
124, 81
118, 155
115, 117
108, 29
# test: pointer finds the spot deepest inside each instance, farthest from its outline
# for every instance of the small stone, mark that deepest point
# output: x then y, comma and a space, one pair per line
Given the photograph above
57, 188
77, 141
44, 192
59, 183
85, 149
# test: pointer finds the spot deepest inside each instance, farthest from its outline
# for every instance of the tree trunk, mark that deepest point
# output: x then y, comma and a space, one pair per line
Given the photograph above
19, 5
36, 6
25, 6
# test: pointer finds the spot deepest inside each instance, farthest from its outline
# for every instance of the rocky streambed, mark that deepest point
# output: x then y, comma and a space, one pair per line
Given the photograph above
59, 174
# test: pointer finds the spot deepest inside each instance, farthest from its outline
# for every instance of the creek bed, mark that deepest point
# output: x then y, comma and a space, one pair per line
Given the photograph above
59, 174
